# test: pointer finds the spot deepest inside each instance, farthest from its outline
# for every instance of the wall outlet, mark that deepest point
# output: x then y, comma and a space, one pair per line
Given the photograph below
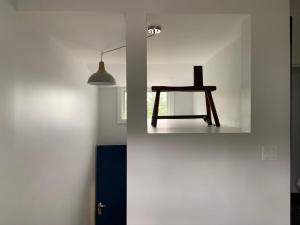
269, 152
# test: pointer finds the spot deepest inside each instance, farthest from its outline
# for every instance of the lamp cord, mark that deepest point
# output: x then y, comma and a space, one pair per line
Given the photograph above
114, 49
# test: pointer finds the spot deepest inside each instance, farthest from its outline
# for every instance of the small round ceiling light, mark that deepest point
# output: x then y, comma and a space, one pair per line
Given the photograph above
154, 29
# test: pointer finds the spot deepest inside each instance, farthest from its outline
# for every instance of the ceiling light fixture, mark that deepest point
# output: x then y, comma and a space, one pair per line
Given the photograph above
154, 29
102, 77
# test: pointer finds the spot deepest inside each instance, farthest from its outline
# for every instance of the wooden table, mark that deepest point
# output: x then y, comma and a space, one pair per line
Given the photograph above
198, 87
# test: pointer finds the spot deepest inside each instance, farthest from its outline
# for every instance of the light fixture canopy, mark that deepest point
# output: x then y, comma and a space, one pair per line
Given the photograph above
154, 29
101, 77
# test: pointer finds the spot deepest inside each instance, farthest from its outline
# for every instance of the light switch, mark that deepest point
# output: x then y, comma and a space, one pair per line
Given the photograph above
269, 152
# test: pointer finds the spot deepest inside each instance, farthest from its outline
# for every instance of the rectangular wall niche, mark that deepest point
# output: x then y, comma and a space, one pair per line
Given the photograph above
221, 44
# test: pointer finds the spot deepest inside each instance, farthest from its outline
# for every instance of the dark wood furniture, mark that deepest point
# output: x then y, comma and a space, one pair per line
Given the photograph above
198, 87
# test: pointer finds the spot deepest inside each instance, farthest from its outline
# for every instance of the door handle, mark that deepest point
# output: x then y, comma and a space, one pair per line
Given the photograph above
100, 208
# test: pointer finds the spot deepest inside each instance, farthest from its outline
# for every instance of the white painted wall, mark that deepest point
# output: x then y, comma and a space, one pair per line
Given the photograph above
110, 131
174, 75
230, 71
48, 120
224, 71
203, 178
170, 74
245, 110
183, 103
214, 179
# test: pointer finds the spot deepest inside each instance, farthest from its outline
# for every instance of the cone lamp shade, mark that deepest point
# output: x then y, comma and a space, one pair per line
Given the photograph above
101, 77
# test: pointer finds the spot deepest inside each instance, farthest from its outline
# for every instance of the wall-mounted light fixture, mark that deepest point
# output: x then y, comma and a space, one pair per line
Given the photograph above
102, 77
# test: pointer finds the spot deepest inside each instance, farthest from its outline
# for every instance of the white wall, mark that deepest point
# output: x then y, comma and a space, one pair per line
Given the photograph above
170, 75
204, 178
224, 71
48, 129
230, 71
245, 111
183, 103
110, 131
214, 179
174, 75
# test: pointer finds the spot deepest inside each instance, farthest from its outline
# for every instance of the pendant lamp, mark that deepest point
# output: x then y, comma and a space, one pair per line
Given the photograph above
102, 77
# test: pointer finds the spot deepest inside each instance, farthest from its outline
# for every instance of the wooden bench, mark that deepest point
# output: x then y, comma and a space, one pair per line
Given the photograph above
198, 87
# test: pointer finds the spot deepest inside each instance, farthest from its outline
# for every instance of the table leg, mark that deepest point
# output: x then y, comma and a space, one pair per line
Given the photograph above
208, 112
155, 109
213, 108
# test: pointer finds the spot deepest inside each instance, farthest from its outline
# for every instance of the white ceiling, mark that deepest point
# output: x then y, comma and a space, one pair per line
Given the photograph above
84, 34
192, 38
185, 39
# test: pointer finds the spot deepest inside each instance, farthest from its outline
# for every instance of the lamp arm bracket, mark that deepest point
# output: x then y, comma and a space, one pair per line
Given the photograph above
115, 49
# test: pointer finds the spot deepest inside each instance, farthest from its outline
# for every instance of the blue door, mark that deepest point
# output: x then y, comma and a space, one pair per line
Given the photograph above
111, 185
